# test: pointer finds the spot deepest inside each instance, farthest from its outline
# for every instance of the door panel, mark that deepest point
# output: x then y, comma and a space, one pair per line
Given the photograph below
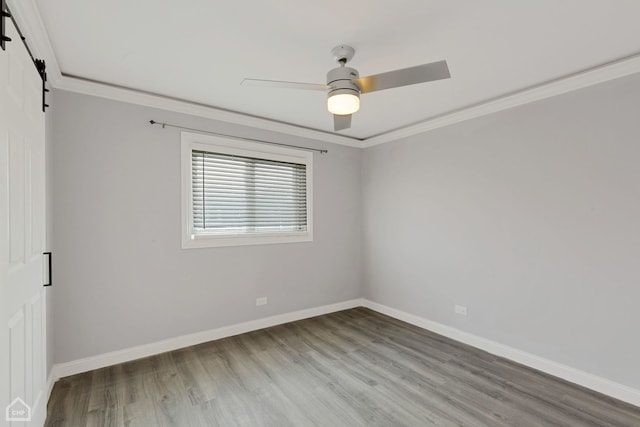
37, 311
15, 77
16, 200
17, 354
37, 194
23, 326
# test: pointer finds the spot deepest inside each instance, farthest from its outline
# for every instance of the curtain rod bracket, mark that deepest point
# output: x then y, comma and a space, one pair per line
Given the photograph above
164, 125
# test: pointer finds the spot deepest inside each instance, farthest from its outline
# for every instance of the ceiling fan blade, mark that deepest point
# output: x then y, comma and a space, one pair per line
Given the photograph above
341, 122
406, 76
283, 84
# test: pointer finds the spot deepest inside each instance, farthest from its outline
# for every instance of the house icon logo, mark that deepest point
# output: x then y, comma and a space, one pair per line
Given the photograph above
18, 411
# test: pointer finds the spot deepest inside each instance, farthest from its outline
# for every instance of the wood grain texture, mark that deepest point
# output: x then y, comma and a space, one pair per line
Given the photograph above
350, 368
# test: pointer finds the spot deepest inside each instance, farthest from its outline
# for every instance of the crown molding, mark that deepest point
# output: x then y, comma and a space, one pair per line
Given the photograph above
592, 76
28, 17
102, 90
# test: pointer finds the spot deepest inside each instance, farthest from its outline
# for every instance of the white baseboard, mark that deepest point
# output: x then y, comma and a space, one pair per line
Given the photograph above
576, 376
585, 379
102, 360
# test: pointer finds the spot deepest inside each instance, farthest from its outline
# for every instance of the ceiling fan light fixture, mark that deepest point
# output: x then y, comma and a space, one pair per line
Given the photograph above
343, 102
344, 84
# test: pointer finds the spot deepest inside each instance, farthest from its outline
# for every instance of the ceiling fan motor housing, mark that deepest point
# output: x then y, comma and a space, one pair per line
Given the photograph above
342, 79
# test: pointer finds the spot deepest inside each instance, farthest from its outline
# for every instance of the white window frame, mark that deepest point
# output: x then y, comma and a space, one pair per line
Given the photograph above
195, 141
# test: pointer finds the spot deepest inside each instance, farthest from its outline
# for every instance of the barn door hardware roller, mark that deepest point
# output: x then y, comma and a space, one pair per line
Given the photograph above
42, 70
3, 14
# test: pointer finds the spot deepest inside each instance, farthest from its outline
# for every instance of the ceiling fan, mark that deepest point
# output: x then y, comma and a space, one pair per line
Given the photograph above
344, 84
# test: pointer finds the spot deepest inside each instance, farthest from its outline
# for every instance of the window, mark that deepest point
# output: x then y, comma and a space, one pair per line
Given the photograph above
243, 193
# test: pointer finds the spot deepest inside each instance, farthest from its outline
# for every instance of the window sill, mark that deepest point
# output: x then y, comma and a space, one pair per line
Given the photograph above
215, 241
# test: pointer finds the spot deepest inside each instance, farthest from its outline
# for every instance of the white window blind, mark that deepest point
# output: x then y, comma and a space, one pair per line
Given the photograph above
234, 194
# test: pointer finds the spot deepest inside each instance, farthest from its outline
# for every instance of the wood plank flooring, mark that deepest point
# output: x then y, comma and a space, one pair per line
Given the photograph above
351, 368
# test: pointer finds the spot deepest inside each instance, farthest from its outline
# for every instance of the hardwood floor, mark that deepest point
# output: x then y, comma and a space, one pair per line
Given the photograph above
351, 368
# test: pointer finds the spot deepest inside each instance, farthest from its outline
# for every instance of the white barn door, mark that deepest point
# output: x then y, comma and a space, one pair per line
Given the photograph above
22, 235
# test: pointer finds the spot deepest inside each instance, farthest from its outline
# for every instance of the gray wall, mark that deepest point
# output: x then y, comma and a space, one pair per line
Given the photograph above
121, 276
529, 217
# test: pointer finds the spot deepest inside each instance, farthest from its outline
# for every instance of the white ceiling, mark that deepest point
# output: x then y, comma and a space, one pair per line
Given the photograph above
200, 50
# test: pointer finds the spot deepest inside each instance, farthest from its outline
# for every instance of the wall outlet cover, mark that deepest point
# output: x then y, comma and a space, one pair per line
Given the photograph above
460, 309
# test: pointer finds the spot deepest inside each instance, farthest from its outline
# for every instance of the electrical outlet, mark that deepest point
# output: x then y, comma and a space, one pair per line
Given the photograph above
261, 301
460, 309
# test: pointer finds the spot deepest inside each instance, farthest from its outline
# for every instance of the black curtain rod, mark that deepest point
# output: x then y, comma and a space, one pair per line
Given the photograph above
153, 122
